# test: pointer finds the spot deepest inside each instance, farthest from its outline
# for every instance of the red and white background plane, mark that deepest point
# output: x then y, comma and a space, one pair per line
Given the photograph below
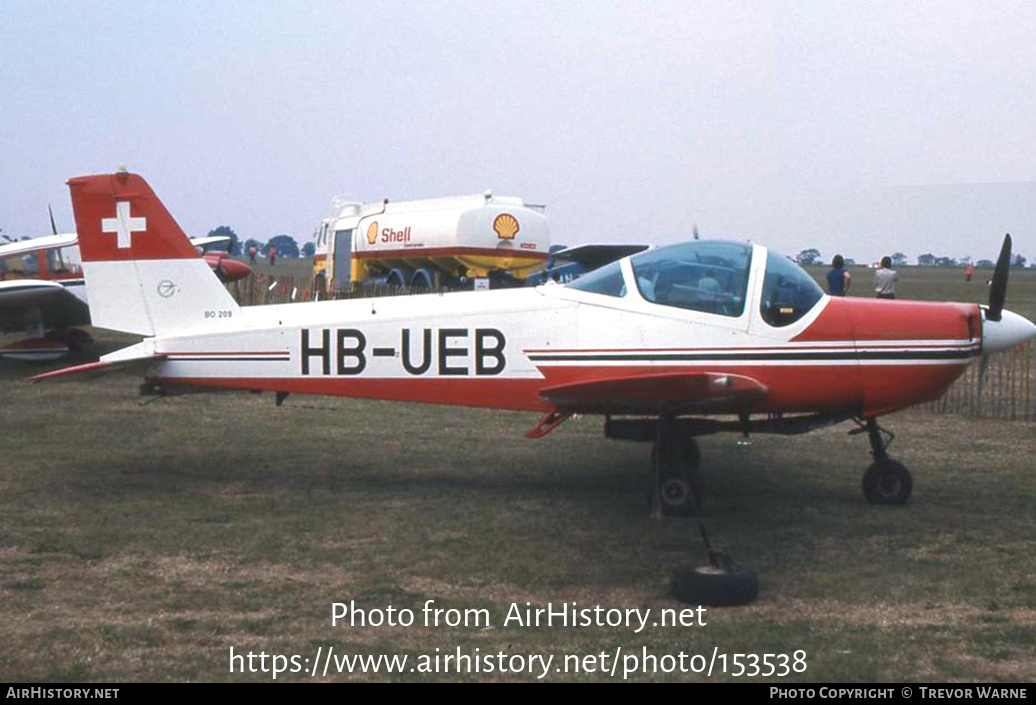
667, 344
43, 293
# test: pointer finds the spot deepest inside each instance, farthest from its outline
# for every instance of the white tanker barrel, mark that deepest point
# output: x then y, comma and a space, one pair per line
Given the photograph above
472, 236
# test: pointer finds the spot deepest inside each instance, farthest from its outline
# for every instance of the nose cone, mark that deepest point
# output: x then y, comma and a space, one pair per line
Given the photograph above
1011, 330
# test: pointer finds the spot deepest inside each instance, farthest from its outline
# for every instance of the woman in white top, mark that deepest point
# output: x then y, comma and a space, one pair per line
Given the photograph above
885, 280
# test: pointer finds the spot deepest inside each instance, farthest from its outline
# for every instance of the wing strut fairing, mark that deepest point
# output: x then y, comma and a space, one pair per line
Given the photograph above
672, 392
678, 392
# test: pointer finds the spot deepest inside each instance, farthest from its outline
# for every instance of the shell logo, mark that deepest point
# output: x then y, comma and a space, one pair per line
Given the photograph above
506, 226
372, 233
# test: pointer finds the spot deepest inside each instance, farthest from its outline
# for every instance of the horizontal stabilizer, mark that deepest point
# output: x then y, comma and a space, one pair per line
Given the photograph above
133, 359
680, 392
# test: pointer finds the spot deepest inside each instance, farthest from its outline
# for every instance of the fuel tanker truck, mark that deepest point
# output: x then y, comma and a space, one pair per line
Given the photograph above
463, 242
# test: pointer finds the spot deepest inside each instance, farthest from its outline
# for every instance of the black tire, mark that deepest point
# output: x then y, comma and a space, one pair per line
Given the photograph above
887, 482
676, 497
714, 587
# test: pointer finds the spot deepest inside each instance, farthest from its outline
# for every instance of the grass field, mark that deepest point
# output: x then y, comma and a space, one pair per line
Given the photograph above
143, 542
946, 284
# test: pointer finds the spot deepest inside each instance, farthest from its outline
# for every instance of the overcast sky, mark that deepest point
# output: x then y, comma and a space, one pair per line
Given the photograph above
863, 128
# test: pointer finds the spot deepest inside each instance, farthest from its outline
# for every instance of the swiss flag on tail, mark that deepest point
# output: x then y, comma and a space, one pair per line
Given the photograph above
119, 217
142, 273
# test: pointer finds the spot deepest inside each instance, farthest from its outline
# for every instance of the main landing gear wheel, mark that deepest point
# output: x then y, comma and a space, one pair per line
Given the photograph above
886, 481
678, 485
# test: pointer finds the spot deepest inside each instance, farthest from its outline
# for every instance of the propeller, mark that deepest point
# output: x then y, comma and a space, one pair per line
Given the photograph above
983, 365
53, 225
997, 294
998, 287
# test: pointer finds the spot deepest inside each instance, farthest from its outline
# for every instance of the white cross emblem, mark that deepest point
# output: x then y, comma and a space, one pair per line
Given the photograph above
123, 225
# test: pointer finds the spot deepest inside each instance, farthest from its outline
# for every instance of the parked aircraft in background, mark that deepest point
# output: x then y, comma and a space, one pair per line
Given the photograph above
42, 292
668, 344
566, 264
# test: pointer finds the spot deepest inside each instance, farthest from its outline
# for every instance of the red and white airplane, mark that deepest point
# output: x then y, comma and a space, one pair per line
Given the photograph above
42, 289
667, 344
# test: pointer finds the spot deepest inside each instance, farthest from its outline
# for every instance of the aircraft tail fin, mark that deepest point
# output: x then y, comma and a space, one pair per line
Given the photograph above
142, 274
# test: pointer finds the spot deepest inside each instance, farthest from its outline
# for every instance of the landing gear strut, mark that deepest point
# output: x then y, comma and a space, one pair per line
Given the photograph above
678, 487
886, 481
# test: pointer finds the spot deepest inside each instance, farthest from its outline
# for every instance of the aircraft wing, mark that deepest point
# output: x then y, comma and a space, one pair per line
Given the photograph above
592, 256
58, 306
680, 392
207, 241
50, 242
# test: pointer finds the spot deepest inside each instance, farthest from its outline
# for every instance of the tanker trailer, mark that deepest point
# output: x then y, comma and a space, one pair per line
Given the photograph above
439, 244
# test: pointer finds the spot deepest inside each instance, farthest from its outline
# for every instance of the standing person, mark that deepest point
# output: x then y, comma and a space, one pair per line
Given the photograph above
251, 254
885, 280
969, 272
838, 279
273, 255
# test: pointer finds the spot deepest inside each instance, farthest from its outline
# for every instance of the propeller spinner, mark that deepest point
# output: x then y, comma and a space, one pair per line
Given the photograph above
1002, 329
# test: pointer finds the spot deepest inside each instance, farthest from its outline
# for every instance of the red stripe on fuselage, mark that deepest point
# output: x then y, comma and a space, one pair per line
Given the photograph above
224, 353
861, 389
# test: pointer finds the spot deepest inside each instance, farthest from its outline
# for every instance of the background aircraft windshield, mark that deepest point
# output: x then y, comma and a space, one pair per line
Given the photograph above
707, 276
788, 292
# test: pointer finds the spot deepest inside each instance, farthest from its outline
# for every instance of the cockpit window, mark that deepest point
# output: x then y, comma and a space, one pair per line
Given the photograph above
607, 280
708, 276
788, 292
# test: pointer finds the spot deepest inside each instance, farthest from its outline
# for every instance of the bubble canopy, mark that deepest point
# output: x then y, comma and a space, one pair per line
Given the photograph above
710, 276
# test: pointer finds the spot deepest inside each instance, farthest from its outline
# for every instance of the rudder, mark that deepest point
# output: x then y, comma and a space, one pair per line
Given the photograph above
142, 273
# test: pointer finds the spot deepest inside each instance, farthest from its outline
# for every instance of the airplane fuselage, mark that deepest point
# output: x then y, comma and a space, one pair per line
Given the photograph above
500, 349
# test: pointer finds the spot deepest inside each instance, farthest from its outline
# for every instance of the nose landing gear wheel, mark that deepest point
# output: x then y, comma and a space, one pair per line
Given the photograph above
887, 482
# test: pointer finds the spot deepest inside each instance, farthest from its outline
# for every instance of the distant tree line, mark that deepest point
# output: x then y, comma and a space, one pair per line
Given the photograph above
812, 256
930, 260
285, 245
